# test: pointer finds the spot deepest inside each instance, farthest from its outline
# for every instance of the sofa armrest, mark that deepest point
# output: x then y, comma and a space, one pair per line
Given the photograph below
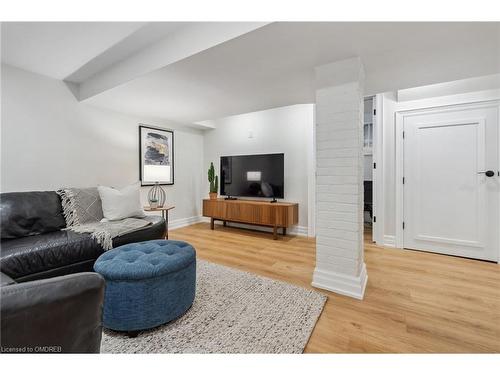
62, 315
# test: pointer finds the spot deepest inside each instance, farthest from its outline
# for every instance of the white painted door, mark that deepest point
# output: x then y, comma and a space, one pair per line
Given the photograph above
451, 205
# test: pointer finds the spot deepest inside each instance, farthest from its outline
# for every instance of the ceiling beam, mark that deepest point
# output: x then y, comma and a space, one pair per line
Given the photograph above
180, 44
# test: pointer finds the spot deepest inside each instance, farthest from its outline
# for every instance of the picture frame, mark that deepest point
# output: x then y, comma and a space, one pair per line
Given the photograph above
156, 155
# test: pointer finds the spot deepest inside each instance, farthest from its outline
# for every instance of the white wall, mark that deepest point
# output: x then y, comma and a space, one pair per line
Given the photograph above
391, 105
286, 129
49, 140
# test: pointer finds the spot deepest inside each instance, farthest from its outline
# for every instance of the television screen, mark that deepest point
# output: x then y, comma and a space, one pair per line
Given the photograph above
252, 175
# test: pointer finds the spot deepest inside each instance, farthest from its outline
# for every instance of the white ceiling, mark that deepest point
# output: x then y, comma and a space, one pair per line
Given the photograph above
222, 69
274, 66
57, 49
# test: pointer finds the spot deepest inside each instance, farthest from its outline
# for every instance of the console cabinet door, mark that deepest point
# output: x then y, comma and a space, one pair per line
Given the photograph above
250, 213
214, 208
282, 216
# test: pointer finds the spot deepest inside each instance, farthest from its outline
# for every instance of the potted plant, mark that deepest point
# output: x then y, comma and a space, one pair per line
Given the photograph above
153, 203
214, 182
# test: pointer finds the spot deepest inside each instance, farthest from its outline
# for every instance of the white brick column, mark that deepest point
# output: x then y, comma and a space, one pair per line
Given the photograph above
340, 263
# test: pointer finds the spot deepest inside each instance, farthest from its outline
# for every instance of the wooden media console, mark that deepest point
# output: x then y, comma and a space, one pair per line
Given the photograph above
254, 212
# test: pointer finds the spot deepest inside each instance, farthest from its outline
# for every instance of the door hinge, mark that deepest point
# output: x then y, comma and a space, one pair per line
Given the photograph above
374, 165
403, 135
374, 219
403, 225
403, 180
374, 112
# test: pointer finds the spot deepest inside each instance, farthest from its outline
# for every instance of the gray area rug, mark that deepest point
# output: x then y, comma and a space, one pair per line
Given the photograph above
233, 312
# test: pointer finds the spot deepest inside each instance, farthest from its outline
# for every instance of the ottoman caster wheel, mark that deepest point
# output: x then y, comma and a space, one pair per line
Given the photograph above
132, 334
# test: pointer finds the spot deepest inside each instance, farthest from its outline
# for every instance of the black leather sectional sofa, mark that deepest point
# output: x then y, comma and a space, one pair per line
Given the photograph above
50, 299
34, 246
58, 315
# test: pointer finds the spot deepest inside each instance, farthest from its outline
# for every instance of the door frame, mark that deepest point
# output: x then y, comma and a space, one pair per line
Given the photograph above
378, 172
399, 165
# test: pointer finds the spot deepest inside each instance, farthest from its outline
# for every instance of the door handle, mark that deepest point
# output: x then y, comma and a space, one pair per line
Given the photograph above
487, 173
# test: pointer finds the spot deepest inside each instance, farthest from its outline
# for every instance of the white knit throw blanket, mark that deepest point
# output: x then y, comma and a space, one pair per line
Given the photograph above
102, 232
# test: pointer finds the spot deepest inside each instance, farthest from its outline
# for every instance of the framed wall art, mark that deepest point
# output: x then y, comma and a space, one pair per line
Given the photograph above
156, 154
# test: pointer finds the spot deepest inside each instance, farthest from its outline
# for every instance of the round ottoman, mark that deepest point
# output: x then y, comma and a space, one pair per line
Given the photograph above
147, 283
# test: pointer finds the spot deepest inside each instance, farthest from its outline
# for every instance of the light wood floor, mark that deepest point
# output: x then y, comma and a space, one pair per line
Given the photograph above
414, 301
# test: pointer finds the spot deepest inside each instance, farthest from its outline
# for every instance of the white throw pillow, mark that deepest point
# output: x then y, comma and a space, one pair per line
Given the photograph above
118, 204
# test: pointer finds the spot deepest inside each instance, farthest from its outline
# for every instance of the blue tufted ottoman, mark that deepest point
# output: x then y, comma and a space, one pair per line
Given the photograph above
147, 283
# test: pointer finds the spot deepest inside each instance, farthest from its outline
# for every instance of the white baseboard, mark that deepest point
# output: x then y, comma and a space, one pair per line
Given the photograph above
184, 222
342, 284
389, 241
299, 230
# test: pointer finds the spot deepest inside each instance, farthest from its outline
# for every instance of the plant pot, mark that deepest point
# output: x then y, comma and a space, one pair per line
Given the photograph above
213, 195
153, 204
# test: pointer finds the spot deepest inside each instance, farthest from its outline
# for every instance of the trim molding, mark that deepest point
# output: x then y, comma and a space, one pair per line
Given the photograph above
299, 230
389, 241
351, 286
184, 222
379, 157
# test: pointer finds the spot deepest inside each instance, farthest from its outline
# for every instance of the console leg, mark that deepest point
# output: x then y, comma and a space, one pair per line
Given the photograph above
212, 223
166, 225
284, 231
224, 223
275, 232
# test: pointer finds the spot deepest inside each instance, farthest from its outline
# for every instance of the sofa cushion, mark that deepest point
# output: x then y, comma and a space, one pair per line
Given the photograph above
37, 254
30, 214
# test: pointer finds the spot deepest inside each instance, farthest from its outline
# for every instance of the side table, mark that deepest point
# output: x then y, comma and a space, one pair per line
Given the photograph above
164, 214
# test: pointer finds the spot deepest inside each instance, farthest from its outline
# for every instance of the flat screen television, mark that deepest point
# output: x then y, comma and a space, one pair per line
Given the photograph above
252, 175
